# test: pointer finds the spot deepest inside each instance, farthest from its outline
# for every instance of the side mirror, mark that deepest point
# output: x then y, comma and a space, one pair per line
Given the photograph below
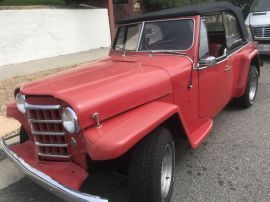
209, 61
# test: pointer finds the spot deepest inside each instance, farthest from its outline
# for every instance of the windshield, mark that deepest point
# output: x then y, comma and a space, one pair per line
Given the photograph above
261, 5
159, 35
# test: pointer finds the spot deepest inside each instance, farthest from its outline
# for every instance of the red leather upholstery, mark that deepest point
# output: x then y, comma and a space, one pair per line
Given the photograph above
215, 49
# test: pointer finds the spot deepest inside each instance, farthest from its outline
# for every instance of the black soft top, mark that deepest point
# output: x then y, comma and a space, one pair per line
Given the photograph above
197, 9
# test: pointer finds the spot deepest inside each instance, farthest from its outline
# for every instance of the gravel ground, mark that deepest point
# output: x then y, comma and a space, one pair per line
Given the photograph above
233, 164
7, 86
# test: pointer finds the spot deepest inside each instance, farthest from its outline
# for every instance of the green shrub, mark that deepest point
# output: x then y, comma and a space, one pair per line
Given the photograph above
174, 3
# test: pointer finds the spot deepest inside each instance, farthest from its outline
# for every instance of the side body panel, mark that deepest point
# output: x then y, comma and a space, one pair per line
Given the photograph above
240, 62
215, 87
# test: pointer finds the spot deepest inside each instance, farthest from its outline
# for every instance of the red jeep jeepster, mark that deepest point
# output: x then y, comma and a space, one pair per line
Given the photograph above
169, 73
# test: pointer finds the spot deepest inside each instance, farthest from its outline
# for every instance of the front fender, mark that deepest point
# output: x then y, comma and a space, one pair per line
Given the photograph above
121, 133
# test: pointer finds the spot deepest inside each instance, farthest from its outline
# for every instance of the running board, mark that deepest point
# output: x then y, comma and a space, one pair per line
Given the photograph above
197, 137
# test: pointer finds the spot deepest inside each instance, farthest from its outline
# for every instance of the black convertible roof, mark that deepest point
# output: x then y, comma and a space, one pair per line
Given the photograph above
197, 9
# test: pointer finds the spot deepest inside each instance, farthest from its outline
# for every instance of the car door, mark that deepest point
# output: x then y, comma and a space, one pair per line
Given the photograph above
213, 84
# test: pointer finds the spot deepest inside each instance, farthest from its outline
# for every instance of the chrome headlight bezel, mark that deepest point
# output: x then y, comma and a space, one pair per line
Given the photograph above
20, 102
70, 120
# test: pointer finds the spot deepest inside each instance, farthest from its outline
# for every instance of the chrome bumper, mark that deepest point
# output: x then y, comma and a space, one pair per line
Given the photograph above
46, 181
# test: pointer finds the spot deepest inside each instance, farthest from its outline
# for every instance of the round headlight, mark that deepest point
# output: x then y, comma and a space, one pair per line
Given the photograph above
70, 120
20, 101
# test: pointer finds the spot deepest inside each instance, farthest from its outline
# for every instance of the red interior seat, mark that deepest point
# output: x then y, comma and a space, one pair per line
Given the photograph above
215, 49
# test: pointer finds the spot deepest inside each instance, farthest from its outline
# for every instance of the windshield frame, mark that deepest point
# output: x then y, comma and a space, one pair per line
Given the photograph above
141, 32
253, 5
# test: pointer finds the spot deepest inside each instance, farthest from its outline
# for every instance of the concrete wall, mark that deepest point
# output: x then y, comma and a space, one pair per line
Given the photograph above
39, 33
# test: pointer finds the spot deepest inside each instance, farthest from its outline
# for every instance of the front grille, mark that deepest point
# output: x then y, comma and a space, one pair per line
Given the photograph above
48, 133
262, 32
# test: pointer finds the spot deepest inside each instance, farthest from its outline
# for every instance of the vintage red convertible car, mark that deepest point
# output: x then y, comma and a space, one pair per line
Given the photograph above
168, 74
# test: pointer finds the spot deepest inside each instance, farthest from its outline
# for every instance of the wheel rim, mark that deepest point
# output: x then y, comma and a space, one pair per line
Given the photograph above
167, 170
253, 88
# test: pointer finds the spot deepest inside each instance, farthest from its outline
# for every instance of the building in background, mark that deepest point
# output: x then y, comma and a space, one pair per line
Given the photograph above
119, 9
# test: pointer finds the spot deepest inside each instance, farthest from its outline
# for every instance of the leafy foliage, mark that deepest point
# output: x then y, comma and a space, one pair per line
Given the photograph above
174, 3
242, 3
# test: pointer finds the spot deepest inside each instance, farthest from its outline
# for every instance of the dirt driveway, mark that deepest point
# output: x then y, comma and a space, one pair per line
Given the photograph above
7, 86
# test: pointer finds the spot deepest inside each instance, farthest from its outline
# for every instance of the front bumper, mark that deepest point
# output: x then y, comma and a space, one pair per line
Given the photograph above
44, 180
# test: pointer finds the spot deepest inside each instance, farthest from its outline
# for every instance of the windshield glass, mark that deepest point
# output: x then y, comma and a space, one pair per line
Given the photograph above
261, 5
159, 35
127, 37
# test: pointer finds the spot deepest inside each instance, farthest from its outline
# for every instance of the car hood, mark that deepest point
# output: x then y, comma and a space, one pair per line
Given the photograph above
107, 87
258, 18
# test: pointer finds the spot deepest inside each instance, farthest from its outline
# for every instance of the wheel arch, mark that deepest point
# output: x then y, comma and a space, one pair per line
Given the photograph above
255, 61
252, 59
175, 125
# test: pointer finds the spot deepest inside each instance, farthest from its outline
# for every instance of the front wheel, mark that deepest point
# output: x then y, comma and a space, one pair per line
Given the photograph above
248, 98
151, 169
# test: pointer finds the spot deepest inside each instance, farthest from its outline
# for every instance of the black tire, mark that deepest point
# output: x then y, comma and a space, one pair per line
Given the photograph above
146, 166
248, 98
23, 135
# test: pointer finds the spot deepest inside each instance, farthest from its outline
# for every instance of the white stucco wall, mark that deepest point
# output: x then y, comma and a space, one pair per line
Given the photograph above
27, 35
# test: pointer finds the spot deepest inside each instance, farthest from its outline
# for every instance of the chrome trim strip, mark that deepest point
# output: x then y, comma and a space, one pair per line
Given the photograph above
258, 26
42, 107
48, 133
46, 181
44, 121
238, 50
54, 156
226, 58
50, 145
262, 38
139, 40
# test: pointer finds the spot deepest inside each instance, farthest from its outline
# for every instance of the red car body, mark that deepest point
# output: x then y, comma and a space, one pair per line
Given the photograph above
133, 94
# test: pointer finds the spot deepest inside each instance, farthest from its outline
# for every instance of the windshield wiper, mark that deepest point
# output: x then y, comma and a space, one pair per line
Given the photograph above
166, 52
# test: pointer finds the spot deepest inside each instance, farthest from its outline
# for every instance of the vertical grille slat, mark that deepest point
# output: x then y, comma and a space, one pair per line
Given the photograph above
48, 128
57, 129
48, 132
41, 128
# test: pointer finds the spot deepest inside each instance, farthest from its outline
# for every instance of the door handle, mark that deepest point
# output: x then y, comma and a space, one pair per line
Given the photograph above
227, 68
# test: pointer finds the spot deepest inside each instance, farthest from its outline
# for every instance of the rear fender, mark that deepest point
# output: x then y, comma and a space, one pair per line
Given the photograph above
121, 133
248, 60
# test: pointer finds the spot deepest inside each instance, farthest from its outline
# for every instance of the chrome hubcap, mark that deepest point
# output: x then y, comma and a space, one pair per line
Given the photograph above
253, 88
167, 170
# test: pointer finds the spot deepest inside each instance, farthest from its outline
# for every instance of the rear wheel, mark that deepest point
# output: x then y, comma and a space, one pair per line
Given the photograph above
151, 169
248, 98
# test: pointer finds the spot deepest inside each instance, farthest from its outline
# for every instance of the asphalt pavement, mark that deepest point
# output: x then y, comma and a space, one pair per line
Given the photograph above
233, 164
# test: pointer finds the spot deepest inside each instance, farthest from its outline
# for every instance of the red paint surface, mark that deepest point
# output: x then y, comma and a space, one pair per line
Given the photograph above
108, 87
67, 173
134, 94
119, 134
